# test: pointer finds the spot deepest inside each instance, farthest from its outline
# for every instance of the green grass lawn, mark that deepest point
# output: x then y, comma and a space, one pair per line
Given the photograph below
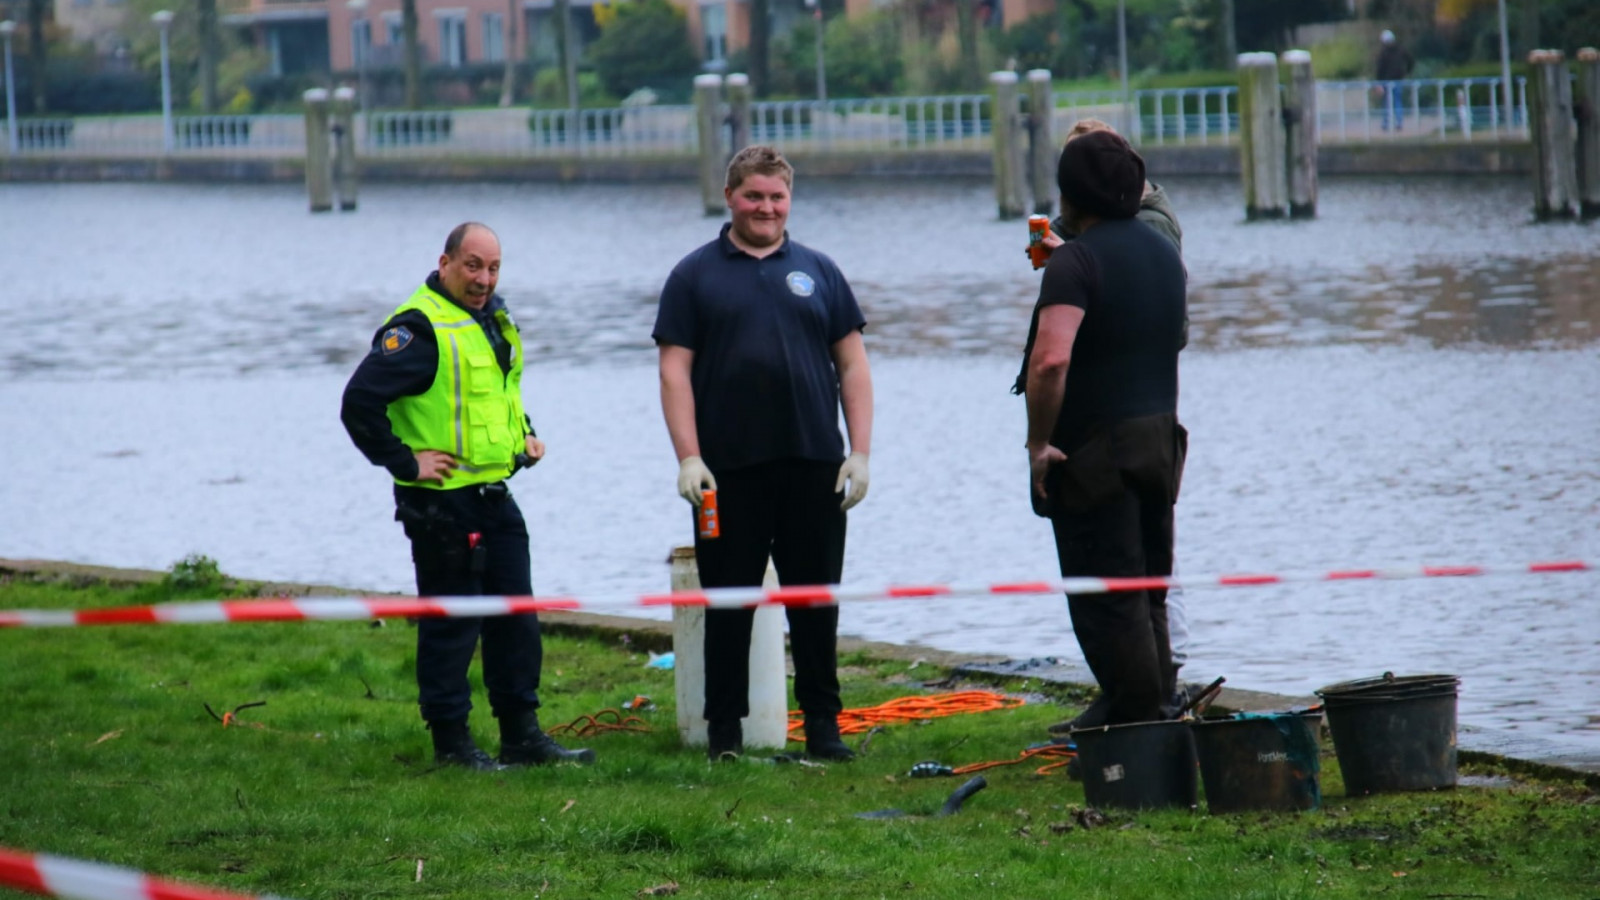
108, 754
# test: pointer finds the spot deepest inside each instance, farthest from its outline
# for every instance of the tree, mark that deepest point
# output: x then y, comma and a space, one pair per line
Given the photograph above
967, 38
408, 23
1268, 24
37, 53
210, 52
760, 45
508, 78
646, 45
567, 51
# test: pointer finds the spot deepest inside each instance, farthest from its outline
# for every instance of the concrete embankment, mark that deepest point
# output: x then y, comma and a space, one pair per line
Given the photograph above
1537, 756
1379, 158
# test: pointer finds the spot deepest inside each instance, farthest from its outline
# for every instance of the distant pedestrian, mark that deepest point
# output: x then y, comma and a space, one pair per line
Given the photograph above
760, 346
438, 402
1394, 64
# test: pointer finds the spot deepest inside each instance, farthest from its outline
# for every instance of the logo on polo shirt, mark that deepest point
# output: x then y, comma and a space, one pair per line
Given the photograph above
801, 284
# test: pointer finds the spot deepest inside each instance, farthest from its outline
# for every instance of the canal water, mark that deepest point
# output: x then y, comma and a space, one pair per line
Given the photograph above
1411, 378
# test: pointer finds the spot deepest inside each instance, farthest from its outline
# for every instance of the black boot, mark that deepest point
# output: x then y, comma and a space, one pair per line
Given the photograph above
724, 739
822, 740
1092, 717
524, 743
453, 746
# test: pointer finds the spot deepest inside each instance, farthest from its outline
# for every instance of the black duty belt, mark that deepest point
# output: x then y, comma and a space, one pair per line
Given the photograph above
495, 491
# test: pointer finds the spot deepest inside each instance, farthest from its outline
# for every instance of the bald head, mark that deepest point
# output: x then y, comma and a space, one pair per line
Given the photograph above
470, 266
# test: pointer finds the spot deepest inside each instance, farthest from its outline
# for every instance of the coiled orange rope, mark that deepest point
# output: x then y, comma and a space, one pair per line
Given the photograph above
909, 709
589, 726
1058, 752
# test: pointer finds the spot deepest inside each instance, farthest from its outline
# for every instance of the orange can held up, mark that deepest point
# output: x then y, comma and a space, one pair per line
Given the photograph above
1038, 253
710, 521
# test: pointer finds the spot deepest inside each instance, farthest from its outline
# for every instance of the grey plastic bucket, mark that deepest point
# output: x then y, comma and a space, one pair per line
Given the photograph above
1142, 765
1394, 733
1262, 762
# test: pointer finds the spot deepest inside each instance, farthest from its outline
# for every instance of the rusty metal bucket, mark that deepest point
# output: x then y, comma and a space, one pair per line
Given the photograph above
1260, 762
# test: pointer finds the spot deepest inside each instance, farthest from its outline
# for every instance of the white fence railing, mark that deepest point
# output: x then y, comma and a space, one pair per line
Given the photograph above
1461, 109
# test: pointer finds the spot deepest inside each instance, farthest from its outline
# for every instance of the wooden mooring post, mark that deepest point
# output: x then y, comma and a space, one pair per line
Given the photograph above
1006, 127
1589, 132
1550, 122
738, 87
1261, 138
344, 147
708, 124
1042, 149
319, 168
1300, 125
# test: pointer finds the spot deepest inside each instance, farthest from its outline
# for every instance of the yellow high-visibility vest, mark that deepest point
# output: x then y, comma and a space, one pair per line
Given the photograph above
473, 411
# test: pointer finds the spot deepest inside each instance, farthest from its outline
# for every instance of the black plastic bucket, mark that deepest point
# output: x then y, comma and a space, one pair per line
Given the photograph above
1394, 733
1265, 762
1142, 765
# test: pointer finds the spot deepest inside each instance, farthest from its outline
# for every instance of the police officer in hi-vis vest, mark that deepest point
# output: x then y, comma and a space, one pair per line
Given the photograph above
438, 402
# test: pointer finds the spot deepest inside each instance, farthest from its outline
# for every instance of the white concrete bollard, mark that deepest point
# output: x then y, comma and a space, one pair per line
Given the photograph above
767, 726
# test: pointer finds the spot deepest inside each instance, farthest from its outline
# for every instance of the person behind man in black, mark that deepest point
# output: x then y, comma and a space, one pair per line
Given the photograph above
760, 345
1105, 450
438, 402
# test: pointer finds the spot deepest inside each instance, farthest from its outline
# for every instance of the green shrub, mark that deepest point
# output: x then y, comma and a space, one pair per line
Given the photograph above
549, 90
195, 572
647, 45
1345, 58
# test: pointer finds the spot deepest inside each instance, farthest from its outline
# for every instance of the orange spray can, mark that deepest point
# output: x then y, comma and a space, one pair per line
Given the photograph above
710, 522
1038, 226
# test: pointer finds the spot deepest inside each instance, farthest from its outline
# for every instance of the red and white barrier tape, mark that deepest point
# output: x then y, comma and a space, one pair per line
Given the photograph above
292, 609
55, 876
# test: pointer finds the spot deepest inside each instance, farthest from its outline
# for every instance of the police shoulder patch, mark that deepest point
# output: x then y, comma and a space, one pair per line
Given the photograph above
395, 339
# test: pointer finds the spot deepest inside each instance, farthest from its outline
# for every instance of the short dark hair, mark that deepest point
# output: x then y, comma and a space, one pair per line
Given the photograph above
1101, 175
759, 159
459, 233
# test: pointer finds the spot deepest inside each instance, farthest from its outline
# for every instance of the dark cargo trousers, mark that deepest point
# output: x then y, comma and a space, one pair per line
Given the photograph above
446, 565
1126, 532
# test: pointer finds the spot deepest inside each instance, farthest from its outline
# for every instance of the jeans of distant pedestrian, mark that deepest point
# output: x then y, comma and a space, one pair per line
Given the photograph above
1394, 106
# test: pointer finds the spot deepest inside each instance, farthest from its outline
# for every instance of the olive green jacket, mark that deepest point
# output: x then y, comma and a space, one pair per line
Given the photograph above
1154, 210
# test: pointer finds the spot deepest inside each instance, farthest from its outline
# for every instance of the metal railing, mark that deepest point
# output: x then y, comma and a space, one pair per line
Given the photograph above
1442, 108
1461, 109
879, 123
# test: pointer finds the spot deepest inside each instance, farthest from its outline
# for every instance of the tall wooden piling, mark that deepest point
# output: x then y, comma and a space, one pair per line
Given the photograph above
738, 87
1006, 127
319, 168
1300, 137
1589, 132
1042, 147
1550, 123
344, 147
708, 124
1262, 156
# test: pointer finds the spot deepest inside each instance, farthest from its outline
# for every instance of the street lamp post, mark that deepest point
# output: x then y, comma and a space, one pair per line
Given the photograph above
822, 64
1128, 129
358, 10
1505, 68
163, 20
8, 28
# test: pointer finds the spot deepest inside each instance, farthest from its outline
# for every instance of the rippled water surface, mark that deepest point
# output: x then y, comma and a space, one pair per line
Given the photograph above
1411, 378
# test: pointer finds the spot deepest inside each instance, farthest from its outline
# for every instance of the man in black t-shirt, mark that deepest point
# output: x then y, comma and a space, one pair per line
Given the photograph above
760, 345
1105, 448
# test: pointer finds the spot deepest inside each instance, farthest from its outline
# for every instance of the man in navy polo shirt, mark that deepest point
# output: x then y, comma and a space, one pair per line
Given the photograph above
760, 342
